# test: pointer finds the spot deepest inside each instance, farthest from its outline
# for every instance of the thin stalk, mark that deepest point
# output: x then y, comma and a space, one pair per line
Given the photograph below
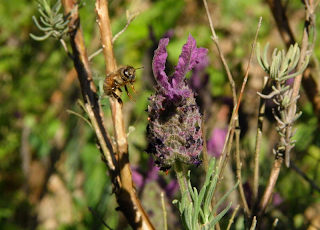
232, 217
255, 186
224, 62
88, 90
241, 190
234, 118
309, 22
275, 222
125, 191
181, 177
254, 223
301, 173
164, 212
270, 187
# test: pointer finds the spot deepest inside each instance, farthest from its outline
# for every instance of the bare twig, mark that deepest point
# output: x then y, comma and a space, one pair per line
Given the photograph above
274, 224
118, 165
310, 181
63, 43
88, 89
130, 18
241, 191
254, 223
270, 187
303, 56
126, 195
228, 143
95, 54
234, 118
164, 212
216, 41
249, 65
96, 215
232, 217
257, 149
95, 124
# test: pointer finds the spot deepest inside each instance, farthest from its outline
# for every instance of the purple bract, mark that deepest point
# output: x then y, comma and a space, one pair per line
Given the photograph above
174, 130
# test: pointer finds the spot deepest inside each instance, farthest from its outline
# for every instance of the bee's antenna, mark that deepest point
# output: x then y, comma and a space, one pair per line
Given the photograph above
140, 68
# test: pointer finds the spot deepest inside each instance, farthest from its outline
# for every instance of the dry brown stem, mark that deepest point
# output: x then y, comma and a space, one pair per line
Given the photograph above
256, 165
126, 195
80, 59
270, 187
118, 164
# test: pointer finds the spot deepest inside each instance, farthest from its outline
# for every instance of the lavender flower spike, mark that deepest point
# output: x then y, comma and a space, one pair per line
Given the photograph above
174, 130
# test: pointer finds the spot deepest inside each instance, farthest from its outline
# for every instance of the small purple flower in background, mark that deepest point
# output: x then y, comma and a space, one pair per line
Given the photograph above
277, 200
174, 130
141, 178
217, 140
216, 143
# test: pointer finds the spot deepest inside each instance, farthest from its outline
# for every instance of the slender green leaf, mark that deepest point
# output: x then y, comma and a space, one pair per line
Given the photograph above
221, 200
219, 216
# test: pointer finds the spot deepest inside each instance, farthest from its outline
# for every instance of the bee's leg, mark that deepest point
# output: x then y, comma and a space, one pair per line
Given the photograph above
125, 87
133, 88
118, 98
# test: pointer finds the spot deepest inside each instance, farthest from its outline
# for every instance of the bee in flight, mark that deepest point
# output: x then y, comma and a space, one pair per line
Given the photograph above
122, 76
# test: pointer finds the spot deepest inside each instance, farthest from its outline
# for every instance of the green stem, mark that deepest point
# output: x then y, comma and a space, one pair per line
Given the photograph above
181, 177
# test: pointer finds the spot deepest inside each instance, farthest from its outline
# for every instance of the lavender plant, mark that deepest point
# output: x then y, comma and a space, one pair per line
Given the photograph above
174, 130
175, 135
281, 69
198, 214
54, 23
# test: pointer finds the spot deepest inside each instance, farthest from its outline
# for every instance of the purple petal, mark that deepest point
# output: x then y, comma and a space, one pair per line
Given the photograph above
190, 56
159, 64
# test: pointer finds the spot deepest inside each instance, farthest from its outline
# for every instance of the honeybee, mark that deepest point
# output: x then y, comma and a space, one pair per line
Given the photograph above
122, 76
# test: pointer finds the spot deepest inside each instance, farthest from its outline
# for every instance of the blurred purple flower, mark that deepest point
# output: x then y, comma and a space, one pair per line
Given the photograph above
141, 178
277, 200
174, 131
216, 143
137, 177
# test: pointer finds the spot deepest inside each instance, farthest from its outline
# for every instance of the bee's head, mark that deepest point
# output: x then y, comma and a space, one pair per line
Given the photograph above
130, 73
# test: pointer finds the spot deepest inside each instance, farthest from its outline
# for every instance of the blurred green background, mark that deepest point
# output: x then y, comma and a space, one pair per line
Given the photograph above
50, 169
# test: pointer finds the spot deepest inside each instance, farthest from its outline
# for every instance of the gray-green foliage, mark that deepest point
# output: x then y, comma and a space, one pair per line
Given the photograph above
282, 64
54, 23
281, 69
198, 214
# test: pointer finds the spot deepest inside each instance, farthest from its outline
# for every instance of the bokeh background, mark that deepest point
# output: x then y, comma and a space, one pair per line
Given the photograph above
50, 168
